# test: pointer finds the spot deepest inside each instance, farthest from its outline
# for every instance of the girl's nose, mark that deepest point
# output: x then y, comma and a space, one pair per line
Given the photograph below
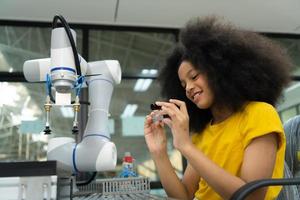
189, 87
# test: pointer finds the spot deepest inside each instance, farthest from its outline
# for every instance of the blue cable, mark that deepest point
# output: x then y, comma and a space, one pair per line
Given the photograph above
48, 84
78, 85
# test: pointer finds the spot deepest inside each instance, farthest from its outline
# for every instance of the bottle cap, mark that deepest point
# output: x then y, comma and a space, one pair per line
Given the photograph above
128, 157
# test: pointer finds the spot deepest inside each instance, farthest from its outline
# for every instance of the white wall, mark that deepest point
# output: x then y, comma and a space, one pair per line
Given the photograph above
279, 16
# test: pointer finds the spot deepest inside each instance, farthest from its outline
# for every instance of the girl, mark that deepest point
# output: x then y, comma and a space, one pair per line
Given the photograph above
222, 84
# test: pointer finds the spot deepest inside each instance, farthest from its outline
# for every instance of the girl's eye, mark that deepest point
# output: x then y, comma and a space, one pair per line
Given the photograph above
195, 77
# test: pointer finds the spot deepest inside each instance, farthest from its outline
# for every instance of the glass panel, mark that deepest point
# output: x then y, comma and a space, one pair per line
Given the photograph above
133, 126
288, 113
18, 44
22, 119
136, 51
293, 49
291, 93
22, 115
131, 139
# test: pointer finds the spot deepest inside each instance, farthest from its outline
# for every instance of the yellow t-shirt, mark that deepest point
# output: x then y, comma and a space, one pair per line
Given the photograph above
225, 143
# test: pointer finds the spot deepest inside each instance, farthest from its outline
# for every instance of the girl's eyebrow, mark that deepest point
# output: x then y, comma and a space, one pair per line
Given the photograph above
190, 71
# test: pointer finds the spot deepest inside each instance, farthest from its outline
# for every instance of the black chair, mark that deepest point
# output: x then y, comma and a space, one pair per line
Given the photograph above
291, 180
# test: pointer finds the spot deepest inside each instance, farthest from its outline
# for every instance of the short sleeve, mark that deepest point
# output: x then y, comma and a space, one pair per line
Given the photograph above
261, 119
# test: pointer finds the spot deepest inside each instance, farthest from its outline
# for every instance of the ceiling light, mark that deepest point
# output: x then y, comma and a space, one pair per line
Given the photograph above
149, 71
142, 85
129, 110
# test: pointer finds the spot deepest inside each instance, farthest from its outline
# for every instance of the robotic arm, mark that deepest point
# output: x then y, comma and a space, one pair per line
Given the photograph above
95, 152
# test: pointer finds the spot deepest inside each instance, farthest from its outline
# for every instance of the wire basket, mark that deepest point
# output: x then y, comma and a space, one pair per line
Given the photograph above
116, 186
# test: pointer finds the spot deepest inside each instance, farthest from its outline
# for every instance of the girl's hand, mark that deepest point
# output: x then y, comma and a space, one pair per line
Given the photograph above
155, 136
178, 122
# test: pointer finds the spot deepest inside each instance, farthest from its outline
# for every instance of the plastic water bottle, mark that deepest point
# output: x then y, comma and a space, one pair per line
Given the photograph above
128, 166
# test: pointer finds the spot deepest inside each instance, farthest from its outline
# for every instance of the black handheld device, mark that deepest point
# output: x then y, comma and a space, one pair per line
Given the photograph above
154, 106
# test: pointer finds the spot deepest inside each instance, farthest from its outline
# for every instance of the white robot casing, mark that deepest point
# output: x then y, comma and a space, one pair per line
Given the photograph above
95, 152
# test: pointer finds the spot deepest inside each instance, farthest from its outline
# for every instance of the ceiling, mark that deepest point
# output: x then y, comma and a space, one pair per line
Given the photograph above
276, 16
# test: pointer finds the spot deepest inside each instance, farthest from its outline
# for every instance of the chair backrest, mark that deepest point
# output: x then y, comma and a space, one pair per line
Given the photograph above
292, 158
292, 154
290, 192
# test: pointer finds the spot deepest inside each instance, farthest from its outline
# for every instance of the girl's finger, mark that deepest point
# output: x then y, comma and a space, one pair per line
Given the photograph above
167, 121
180, 104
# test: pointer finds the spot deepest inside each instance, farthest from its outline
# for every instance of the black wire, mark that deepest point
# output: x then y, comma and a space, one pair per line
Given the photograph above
71, 189
81, 183
89, 75
68, 31
85, 102
72, 42
51, 97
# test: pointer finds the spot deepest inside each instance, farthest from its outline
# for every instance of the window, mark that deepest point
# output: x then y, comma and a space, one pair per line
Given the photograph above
288, 113
141, 54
